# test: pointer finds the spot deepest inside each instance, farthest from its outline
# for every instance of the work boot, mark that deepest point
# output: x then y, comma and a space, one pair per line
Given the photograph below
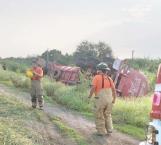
100, 134
109, 132
34, 104
41, 108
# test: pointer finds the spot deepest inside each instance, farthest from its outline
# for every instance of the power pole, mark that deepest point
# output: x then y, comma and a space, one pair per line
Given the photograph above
47, 56
132, 54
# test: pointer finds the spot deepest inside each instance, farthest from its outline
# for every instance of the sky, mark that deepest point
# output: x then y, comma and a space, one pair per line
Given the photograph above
29, 27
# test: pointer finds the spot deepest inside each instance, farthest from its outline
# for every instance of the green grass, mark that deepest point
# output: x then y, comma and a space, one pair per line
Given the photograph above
68, 131
130, 115
144, 64
15, 118
133, 111
138, 133
17, 80
5, 77
151, 77
15, 64
73, 97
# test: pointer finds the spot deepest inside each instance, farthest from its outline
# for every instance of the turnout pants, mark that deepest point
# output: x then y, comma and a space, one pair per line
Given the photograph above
36, 93
103, 109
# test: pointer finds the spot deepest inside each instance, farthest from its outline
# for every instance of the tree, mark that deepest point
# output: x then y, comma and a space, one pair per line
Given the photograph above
52, 55
104, 51
90, 54
57, 57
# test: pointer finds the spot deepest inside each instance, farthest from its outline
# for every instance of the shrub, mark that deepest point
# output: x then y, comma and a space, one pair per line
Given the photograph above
20, 82
49, 88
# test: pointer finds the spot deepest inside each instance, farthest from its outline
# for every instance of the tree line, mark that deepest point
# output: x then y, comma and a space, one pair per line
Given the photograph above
87, 54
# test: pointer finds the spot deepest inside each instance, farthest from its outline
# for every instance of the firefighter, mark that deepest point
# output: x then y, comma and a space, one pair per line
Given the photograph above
105, 95
4, 66
36, 86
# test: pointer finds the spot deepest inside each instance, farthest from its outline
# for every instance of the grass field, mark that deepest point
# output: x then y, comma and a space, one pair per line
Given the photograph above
68, 131
17, 123
129, 116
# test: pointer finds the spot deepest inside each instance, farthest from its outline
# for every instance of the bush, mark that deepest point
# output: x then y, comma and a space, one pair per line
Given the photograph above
20, 82
15, 66
5, 75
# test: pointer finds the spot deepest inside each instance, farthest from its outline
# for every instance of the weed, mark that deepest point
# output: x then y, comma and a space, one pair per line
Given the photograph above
14, 120
70, 132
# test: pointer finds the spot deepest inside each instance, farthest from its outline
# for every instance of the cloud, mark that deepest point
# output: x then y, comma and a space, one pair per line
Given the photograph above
34, 26
138, 12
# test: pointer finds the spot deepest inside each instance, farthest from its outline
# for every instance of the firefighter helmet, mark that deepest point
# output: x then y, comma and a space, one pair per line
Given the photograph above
102, 66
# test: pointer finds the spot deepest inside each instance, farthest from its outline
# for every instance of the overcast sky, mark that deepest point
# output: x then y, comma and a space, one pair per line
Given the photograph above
29, 27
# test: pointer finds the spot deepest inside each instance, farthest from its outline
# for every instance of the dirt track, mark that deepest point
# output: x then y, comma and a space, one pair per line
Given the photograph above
85, 127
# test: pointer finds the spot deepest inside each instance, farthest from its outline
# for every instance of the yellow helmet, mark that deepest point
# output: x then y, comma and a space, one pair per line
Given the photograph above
29, 73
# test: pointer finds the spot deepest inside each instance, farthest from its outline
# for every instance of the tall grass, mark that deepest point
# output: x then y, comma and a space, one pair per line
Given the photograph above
129, 115
145, 64
73, 97
16, 65
6, 75
134, 111
21, 82
132, 116
14, 79
151, 77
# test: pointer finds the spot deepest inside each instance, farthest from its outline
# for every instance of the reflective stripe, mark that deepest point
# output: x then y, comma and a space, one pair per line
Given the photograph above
158, 87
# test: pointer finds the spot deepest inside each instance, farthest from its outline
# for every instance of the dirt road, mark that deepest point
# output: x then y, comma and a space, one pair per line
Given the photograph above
84, 126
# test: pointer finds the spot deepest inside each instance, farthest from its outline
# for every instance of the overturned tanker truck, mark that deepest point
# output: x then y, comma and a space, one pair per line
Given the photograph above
69, 75
129, 82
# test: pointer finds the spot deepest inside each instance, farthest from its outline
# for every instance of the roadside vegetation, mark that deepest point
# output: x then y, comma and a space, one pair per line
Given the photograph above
145, 64
67, 131
129, 115
18, 123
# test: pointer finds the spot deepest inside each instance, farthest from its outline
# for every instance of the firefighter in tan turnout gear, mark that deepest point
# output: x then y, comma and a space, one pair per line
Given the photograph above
105, 95
36, 73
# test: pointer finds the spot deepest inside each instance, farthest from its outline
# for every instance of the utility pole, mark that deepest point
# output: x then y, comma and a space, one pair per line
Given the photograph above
132, 54
47, 61
47, 56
